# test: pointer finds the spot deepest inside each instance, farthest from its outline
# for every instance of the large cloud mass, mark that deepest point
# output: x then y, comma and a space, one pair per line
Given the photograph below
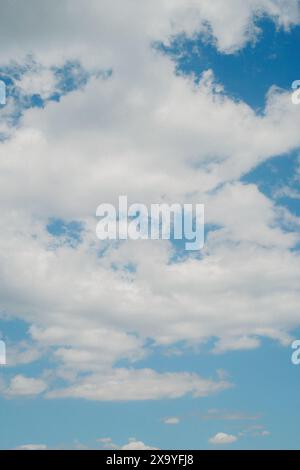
153, 135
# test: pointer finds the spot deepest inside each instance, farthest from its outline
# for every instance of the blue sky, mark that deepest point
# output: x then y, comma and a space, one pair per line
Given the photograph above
82, 127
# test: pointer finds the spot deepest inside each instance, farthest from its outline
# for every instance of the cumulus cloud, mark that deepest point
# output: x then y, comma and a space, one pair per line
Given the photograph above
221, 438
248, 221
25, 386
137, 445
171, 420
104, 26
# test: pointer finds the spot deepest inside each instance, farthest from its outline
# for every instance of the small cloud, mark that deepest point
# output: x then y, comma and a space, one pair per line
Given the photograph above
222, 374
32, 447
221, 438
236, 343
224, 415
256, 431
132, 444
104, 440
25, 386
171, 420
107, 443
137, 445
79, 445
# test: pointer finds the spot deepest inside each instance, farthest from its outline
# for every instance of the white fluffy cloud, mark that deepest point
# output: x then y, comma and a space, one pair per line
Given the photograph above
48, 28
221, 438
137, 445
172, 420
25, 386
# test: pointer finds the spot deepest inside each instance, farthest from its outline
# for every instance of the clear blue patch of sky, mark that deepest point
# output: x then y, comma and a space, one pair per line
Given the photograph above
248, 74
276, 174
59, 227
